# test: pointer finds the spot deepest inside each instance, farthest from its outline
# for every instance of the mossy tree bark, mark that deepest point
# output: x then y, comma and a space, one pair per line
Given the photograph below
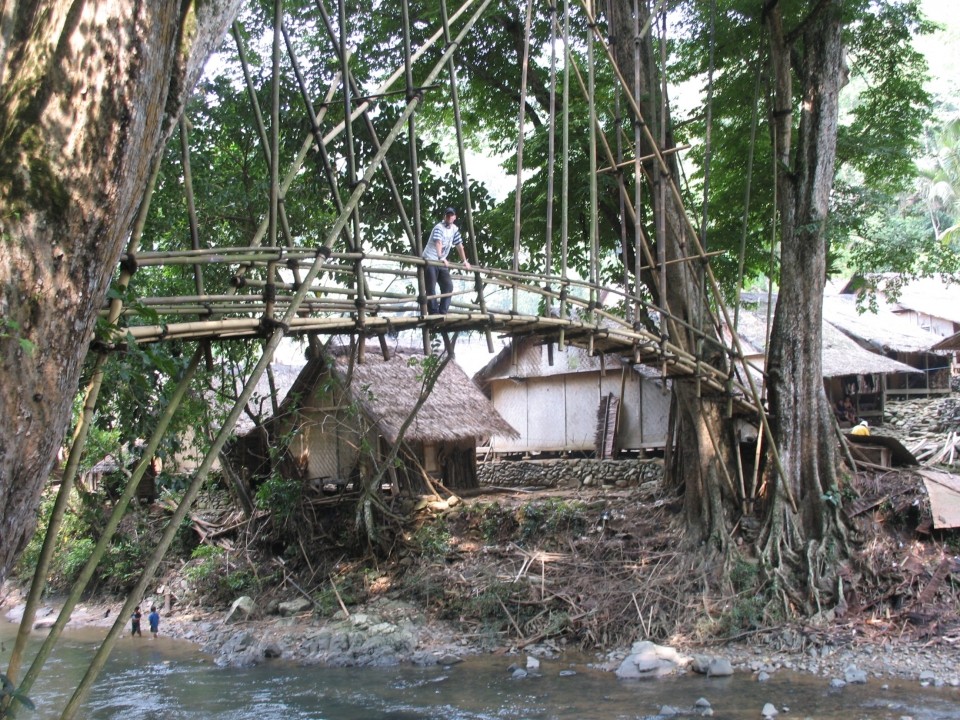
809, 538
89, 94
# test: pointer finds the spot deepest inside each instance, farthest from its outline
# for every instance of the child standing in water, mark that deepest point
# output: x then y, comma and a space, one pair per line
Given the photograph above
154, 619
135, 622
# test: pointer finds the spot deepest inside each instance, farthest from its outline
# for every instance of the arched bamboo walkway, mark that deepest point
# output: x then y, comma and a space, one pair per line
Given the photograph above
282, 288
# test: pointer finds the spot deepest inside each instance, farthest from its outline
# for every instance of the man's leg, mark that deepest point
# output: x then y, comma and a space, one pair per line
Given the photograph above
446, 287
430, 280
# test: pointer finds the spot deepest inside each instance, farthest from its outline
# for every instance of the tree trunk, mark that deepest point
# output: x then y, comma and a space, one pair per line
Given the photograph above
801, 417
90, 94
704, 442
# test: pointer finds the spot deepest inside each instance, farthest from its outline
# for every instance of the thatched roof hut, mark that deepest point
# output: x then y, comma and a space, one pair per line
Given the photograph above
340, 417
951, 343
849, 369
841, 354
388, 390
881, 332
896, 338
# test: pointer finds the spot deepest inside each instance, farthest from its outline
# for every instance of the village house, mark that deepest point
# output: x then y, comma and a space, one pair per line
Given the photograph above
887, 334
849, 370
595, 406
340, 419
932, 304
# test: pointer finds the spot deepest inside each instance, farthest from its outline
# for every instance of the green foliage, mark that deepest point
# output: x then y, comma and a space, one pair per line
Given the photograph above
745, 613
205, 562
745, 610
325, 602
433, 540
541, 519
884, 133
487, 605
491, 521
124, 561
281, 496
76, 556
214, 577
744, 576
82, 525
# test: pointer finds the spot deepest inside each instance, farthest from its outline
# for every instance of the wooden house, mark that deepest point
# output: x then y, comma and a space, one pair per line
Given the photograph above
931, 304
849, 370
894, 337
340, 420
598, 406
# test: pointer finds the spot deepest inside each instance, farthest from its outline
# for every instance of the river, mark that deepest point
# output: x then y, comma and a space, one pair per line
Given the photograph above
169, 680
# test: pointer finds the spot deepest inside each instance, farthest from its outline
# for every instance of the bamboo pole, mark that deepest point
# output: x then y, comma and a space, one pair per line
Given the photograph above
464, 179
188, 191
113, 522
714, 286
565, 171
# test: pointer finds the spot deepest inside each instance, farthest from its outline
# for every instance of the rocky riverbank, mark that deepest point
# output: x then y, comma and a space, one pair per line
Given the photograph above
388, 632
554, 556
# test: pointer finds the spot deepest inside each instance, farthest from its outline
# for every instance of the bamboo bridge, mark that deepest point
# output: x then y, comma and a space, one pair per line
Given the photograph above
279, 285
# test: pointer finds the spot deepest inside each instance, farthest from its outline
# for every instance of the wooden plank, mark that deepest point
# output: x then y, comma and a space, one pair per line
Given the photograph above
943, 489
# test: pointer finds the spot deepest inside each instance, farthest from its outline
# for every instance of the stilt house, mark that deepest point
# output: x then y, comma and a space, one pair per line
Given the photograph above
849, 370
896, 338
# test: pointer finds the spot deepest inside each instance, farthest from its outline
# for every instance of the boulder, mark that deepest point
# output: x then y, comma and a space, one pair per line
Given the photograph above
294, 607
711, 666
242, 609
649, 660
719, 667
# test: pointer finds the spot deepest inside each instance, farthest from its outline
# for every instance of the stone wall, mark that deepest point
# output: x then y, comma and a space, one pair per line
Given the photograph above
569, 473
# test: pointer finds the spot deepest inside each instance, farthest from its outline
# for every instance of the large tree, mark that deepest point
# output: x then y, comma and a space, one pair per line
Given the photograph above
89, 93
809, 52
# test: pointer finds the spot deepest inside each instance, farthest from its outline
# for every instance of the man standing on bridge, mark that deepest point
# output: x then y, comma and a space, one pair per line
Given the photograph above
444, 236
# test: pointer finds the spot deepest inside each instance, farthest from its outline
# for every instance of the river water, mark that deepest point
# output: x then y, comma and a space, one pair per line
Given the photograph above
169, 680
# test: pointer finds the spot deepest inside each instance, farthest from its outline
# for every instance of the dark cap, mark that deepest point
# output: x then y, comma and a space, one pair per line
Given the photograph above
450, 211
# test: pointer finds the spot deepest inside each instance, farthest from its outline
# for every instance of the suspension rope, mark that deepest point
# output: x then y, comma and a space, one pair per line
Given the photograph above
565, 181
415, 178
741, 256
591, 31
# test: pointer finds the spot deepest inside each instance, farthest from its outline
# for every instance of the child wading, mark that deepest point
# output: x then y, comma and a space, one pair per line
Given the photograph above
135, 622
154, 619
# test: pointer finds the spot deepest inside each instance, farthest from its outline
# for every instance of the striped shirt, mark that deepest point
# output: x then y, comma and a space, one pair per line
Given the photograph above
447, 235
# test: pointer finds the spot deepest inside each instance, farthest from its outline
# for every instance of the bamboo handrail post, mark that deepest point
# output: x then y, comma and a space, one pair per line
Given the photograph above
464, 178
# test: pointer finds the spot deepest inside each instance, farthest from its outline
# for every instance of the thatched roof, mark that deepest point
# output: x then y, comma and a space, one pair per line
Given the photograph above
930, 296
883, 331
531, 362
284, 377
388, 390
841, 354
951, 343
938, 297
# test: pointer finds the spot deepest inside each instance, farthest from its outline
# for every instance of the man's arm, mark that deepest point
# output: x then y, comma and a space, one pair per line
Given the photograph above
463, 255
